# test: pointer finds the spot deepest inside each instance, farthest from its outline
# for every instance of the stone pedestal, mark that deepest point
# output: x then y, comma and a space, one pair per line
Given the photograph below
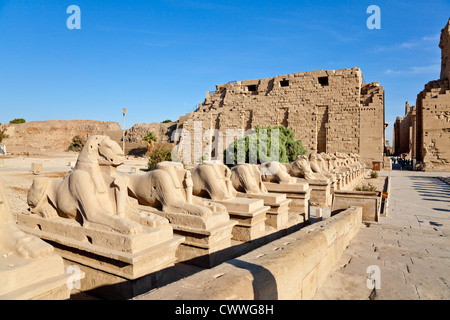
205, 248
299, 194
321, 195
250, 215
333, 187
347, 184
30, 269
206, 237
368, 200
32, 279
360, 175
339, 182
277, 216
104, 254
344, 181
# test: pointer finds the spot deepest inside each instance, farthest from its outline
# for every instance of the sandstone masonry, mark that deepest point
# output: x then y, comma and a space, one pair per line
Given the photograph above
329, 111
405, 132
433, 115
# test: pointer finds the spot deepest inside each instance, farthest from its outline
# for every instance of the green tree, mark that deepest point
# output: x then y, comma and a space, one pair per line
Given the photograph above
258, 146
151, 138
17, 121
167, 121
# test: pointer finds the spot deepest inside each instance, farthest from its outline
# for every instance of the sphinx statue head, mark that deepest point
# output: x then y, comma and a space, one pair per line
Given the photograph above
247, 178
301, 168
315, 163
213, 180
102, 151
276, 172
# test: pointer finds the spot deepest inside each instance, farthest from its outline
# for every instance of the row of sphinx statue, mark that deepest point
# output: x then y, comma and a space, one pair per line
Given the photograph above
96, 195
95, 192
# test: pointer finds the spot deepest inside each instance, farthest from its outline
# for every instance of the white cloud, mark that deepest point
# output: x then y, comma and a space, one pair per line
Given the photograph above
431, 69
425, 41
436, 37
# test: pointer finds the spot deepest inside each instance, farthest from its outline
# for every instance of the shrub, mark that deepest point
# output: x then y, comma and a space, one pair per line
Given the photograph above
167, 121
159, 154
3, 134
289, 148
374, 175
366, 187
17, 121
77, 144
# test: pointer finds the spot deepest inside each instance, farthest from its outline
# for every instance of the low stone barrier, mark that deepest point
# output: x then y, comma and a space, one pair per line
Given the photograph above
292, 267
370, 201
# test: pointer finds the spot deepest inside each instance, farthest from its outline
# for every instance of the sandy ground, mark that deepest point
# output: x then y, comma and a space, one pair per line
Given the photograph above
16, 174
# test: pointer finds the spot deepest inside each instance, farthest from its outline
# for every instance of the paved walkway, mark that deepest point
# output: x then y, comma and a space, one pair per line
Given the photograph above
410, 247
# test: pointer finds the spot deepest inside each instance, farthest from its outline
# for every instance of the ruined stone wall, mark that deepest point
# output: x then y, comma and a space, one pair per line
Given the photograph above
445, 52
404, 132
329, 111
433, 144
371, 131
433, 115
403, 136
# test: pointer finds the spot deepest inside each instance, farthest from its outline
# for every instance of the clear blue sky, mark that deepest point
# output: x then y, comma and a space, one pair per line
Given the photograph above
158, 58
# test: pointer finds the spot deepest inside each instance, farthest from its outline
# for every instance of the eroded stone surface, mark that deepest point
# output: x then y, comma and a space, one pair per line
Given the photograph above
29, 267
